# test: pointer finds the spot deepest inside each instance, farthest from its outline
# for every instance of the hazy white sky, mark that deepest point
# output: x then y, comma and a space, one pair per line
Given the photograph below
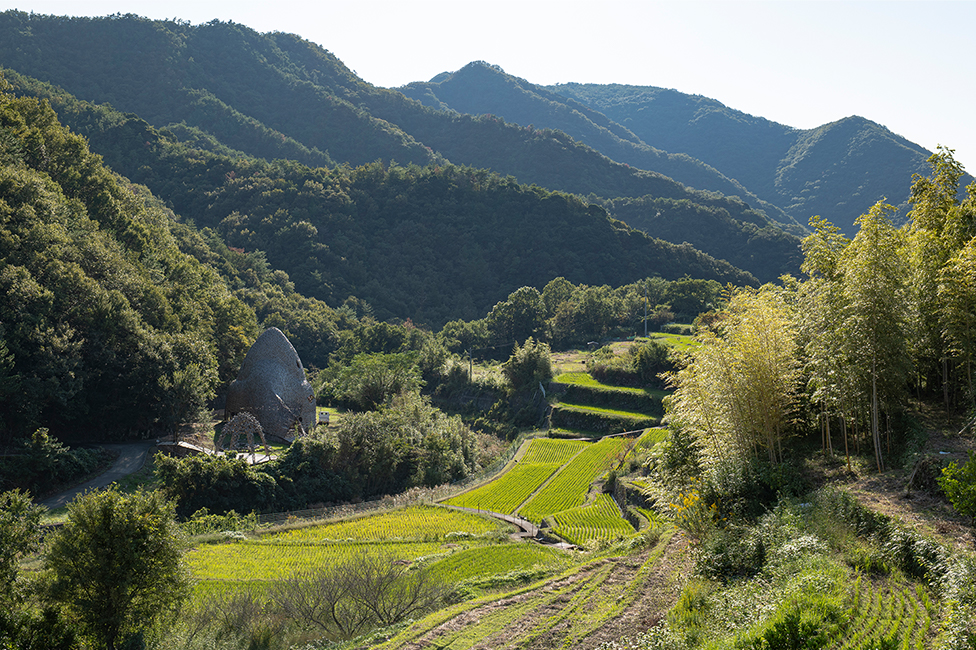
906, 65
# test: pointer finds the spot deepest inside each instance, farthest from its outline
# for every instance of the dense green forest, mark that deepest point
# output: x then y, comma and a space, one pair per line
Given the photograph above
106, 324
332, 115
119, 318
430, 243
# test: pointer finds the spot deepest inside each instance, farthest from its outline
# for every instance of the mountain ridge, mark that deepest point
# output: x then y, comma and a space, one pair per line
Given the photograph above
770, 154
225, 87
391, 235
220, 82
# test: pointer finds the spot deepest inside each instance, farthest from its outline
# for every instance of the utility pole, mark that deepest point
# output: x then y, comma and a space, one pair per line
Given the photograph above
645, 309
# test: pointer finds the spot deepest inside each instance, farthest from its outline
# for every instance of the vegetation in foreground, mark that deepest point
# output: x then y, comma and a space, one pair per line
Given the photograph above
878, 318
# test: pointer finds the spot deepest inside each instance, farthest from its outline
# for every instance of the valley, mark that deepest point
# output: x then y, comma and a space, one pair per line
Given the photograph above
459, 272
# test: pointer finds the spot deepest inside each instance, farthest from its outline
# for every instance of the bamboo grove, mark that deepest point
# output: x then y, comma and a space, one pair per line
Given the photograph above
874, 321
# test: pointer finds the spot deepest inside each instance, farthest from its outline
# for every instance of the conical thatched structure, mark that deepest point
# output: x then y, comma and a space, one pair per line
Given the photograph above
272, 387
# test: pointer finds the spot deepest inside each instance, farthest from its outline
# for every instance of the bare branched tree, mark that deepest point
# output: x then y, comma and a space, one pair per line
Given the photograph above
357, 593
390, 590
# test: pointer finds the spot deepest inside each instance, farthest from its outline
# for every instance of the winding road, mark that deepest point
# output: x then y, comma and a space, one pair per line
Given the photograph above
132, 456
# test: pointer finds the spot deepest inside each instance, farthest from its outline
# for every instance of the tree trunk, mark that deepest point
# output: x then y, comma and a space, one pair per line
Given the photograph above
847, 453
875, 435
945, 383
830, 446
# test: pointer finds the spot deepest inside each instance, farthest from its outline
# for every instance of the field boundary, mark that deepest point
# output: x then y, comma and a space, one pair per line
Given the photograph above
529, 529
550, 479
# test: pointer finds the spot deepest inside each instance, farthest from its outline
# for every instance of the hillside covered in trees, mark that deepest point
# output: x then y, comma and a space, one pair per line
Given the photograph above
119, 319
792, 174
104, 321
283, 97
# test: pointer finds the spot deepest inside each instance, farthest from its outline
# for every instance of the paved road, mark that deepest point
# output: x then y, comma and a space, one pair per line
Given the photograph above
528, 528
132, 456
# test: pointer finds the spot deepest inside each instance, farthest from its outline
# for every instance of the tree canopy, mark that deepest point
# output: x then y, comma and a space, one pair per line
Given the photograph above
117, 564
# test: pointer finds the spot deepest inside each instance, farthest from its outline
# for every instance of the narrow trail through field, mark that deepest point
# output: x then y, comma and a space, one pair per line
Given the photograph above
528, 528
603, 601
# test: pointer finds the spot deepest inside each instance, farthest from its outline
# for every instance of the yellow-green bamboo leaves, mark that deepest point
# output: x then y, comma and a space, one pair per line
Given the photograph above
873, 330
957, 300
737, 390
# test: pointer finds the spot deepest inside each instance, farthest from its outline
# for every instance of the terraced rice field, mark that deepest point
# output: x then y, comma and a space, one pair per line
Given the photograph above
568, 489
245, 561
460, 545
598, 520
586, 379
676, 341
498, 559
428, 534
420, 522
548, 451
505, 494
570, 467
603, 411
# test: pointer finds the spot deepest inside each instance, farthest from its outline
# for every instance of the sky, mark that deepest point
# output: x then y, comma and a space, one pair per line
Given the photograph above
906, 65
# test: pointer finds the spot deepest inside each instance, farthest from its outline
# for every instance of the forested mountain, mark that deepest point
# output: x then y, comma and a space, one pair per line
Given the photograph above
279, 96
480, 88
428, 243
836, 171
104, 323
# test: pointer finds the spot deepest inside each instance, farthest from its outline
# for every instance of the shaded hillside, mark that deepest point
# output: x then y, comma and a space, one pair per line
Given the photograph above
430, 243
105, 325
765, 249
280, 96
222, 78
836, 171
479, 88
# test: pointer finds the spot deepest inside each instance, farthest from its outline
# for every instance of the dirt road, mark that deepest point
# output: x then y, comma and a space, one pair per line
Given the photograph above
132, 456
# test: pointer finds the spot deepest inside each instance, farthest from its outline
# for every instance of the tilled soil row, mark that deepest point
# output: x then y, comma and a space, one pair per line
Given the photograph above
601, 602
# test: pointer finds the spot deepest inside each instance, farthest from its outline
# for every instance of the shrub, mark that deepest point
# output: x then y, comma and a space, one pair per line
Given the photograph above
372, 380
735, 552
529, 365
46, 464
693, 514
959, 485
202, 522
791, 630
748, 489
215, 482
648, 360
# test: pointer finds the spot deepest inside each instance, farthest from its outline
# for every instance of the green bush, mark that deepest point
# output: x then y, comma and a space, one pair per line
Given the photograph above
749, 489
218, 483
370, 380
529, 365
648, 360
45, 464
734, 552
959, 485
791, 630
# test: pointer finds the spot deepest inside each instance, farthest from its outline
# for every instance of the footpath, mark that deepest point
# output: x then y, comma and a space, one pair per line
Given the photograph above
132, 456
